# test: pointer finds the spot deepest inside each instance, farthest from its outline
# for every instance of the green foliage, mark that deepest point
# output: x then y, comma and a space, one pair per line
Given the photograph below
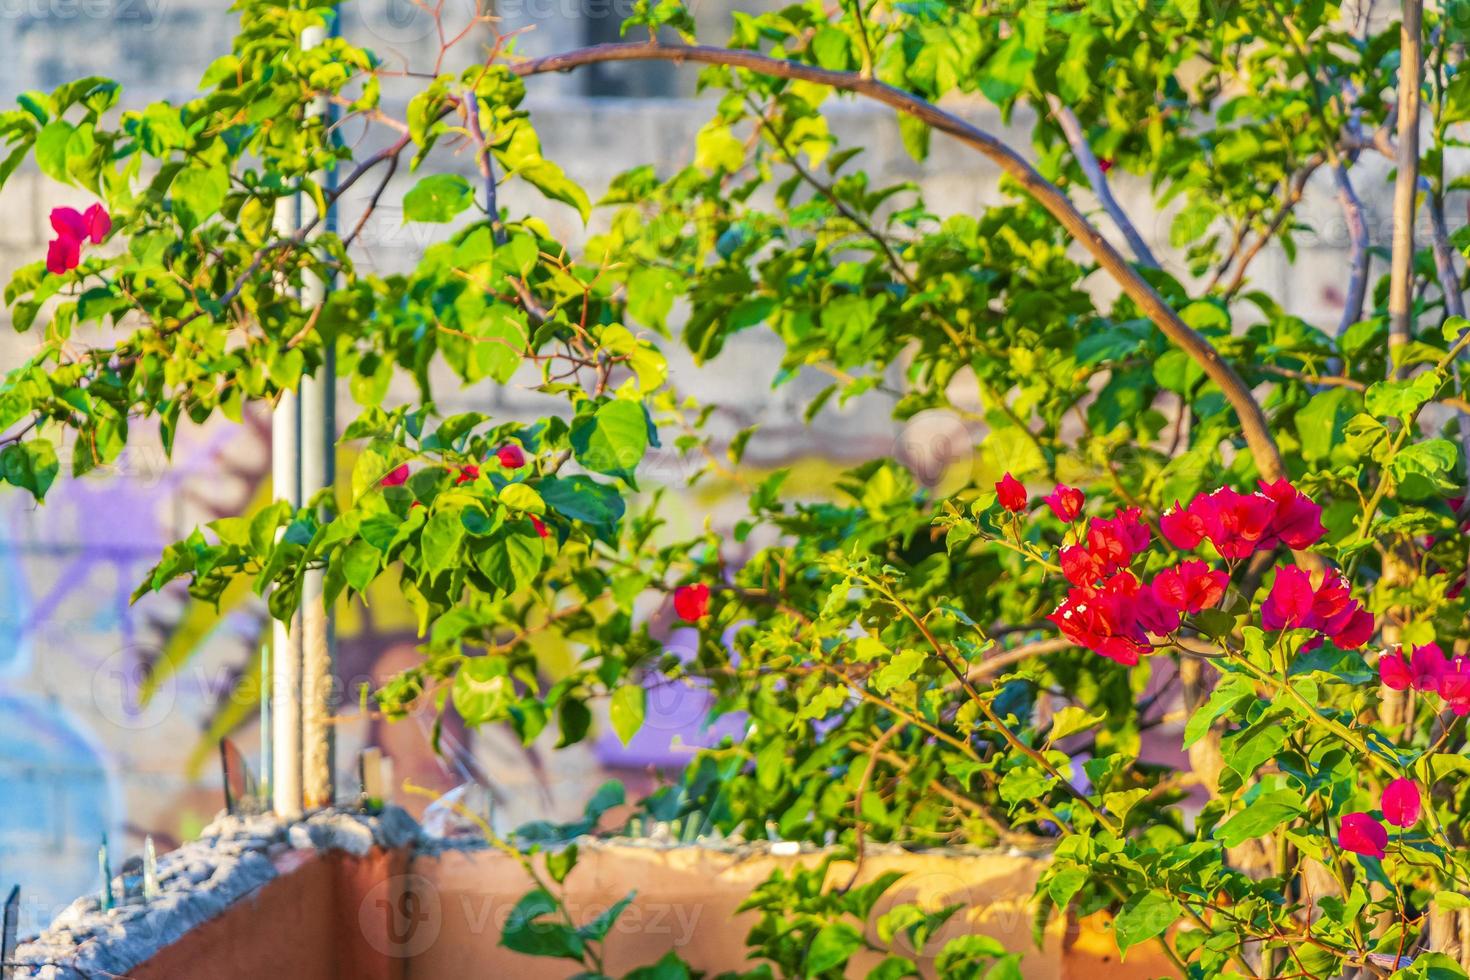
884, 635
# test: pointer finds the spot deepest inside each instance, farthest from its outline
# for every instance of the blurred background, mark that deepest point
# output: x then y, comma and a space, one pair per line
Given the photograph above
82, 754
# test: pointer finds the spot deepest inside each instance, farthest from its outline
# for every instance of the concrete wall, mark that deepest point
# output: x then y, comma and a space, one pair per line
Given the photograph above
394, 917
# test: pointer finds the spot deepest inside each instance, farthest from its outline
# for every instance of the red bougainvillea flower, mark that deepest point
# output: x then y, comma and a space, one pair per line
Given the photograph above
1393, 671
1329, 609
1240, 524
1104, 164
1119, 539
72, 228
1236, 523
396, 477
1081, 565
467, 474
1114, 619
536, 523
1401, 803
691, 602
1361, 834
1182, 527
1190, 586
1065, 502
1297, 522
511, 456
1012, 494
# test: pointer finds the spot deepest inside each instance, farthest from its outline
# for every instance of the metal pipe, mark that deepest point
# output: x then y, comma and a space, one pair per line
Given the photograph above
285, 637
318, 444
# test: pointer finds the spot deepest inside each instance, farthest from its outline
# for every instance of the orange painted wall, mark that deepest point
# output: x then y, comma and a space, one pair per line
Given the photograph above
391, 917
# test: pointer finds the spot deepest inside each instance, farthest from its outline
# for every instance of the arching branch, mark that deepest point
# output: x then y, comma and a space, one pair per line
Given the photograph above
1252, 420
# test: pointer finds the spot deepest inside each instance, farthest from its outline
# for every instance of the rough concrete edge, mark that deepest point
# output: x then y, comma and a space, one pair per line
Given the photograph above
233, 857
236, 855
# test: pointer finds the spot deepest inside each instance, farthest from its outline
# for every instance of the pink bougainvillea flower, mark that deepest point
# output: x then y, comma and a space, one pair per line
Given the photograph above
97, 223
69, 223
1393, 671
1115, 618
536, 523
1104, 164
396, 477
72, 228
1065, 502
1190, 586
1454, 686
1297, 521
1329, 608
63, 255
1012, 494
1361, 834
691, 602
1182, 528
1237, 524
1427, 665
1401, 803
511, 456
467, 474
1289, 605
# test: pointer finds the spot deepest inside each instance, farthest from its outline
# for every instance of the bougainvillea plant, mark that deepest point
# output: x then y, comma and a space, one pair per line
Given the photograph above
1190, 617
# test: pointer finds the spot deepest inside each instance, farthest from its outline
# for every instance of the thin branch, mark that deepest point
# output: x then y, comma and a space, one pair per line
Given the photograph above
1253, 423
1087, 160
1294, 191
1357, 225
1406, 186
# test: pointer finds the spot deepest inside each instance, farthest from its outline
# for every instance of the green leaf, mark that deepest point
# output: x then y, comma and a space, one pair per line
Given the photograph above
198, 193
669, 967
717, 148
440, 541
1143, 917
915, 134
51, 150
574, 719
511, 557
626, 710
437, 198
482, 691
1321, 424
1267, 812
1451, 901
582, 498
612, 439
520, 496
1425, 468
1401, 399
1007, 72
597, 930
30, 465
560, 863
1072, 719
528, 930
831, 948
1224, 697
1024, 784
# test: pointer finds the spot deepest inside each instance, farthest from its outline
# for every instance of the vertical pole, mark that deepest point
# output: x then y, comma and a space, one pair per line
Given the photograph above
318, 443
286, 637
